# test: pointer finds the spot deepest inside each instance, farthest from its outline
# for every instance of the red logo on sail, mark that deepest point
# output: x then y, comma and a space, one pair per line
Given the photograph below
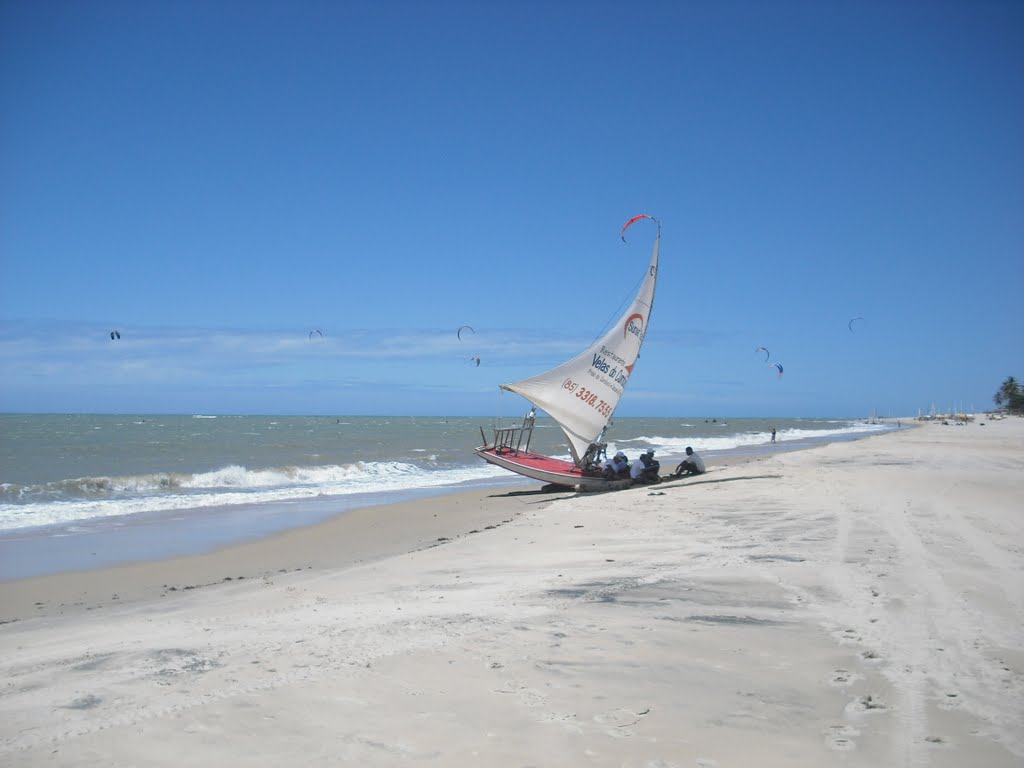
634, 324
636, 328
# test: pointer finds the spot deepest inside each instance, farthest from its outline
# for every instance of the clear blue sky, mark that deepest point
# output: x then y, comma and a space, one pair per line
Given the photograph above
216, 179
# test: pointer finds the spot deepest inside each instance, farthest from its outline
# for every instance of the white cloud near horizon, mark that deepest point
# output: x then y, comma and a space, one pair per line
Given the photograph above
76, 366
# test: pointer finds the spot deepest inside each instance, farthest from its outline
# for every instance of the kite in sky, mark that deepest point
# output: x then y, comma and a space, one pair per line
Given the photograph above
633, 221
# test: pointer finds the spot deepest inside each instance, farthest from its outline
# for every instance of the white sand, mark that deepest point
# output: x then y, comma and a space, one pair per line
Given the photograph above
860, 604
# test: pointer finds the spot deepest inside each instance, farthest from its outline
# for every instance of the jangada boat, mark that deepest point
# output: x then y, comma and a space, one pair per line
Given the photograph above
581, 395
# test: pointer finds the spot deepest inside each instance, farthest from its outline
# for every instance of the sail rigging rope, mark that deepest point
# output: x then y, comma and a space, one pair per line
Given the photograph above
619, 310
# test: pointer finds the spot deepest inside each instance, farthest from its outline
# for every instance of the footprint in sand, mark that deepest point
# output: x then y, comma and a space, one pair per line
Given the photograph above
865, 704
84, 702
527, 696
840, 738
566, 720
843, 677
849, 635
620, 719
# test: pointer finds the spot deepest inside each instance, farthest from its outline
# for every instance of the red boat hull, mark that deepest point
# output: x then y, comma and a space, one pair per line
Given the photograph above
543, 468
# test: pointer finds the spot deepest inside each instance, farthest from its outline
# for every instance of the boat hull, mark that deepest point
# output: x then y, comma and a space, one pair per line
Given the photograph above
544, 468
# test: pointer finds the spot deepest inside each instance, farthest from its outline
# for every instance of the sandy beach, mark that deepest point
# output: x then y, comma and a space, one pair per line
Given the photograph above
856, 604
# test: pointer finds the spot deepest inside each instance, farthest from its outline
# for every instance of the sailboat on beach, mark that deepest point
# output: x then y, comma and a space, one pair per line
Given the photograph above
581, 395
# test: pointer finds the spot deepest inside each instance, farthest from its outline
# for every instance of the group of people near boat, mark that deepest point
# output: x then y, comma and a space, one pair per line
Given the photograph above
646, 469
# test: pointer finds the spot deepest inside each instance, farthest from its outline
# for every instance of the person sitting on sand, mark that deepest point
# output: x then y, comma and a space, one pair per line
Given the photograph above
646, 468
617, 467
691, 465
653, 466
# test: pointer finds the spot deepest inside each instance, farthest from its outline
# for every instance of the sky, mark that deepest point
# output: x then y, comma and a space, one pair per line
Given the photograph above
215, 180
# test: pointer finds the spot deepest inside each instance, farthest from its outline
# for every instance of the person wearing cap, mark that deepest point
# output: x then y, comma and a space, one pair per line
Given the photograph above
653, 466
616, 467
646, 468
691, 465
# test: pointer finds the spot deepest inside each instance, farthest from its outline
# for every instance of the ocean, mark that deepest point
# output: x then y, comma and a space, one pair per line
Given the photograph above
80, 491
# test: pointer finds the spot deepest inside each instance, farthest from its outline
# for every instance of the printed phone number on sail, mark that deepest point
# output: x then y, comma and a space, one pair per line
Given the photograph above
588, 397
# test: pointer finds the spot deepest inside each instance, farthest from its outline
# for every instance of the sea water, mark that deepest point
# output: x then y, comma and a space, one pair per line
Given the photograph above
81, 491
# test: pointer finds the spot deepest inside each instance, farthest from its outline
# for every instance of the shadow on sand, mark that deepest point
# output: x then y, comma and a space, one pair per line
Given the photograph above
673, 480
557, 491
544, 492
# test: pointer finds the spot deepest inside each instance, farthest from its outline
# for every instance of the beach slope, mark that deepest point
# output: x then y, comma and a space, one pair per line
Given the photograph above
857, 604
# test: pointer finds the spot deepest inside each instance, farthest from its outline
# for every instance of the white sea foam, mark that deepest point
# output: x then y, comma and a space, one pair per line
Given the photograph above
232, 486
677, 445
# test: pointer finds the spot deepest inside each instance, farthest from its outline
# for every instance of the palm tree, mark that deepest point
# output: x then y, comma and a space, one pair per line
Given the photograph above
1010, 395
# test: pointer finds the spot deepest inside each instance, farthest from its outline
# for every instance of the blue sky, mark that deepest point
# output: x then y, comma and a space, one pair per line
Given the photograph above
216, 179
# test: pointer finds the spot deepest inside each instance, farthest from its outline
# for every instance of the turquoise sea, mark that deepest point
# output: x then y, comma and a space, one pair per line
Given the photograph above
80, 491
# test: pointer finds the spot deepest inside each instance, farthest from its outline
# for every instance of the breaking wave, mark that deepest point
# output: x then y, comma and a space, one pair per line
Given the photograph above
88, 498
677, 445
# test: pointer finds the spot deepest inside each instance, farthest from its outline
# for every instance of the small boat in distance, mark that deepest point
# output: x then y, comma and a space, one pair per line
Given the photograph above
581, 395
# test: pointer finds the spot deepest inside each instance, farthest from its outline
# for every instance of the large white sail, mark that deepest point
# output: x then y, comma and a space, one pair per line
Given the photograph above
582, 394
